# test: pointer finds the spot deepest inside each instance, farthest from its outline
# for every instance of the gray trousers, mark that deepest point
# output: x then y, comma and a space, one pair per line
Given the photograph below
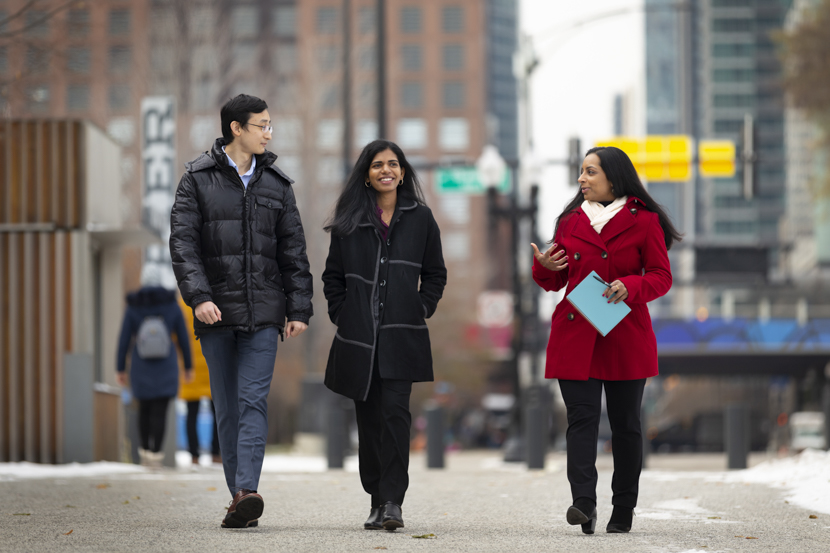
241, 365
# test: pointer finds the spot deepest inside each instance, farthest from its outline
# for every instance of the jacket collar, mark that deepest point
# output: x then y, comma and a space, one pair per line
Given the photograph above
216, 158
403, 205
622, 221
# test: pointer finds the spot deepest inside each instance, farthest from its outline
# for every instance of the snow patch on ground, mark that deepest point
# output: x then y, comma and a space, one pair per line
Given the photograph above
25, 471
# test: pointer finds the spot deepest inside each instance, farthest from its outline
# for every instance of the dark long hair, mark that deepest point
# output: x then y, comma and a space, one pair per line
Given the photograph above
625, 182
357, 202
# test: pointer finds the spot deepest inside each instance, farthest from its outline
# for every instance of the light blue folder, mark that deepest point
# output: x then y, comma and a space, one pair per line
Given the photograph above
587, 298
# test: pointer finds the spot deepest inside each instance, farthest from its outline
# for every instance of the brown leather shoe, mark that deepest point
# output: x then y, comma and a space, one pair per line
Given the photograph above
246, 507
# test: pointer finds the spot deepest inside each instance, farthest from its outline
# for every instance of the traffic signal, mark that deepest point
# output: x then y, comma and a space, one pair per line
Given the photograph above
574, 160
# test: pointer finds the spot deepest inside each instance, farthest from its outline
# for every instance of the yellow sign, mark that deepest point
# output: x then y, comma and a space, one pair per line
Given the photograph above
658, 157
717, 158
670, 157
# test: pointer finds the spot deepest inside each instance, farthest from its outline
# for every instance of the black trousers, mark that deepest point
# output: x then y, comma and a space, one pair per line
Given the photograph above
383, 425
193, 435
583, 399
152, 416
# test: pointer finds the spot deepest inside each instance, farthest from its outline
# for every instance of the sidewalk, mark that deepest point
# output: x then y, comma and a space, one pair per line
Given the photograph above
687, 504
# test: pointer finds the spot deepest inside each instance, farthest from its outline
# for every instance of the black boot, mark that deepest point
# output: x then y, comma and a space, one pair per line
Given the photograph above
620, 522
584, 512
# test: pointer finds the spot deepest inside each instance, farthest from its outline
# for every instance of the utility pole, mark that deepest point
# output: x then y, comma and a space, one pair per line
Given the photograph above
347, 87
381, 58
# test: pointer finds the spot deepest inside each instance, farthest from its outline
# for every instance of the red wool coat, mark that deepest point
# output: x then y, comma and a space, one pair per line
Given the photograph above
631, 248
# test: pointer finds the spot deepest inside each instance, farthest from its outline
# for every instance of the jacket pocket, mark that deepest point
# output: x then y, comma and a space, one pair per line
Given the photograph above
266, 212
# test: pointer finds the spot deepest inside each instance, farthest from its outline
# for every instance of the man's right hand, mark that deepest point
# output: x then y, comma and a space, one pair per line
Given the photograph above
208, 313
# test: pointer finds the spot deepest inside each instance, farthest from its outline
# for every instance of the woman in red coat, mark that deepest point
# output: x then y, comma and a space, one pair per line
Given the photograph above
614, 227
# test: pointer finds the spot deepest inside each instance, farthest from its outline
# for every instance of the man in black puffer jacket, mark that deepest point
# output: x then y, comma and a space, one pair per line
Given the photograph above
239, 255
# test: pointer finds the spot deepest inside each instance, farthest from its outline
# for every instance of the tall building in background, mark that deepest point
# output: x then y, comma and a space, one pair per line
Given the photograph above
709, 65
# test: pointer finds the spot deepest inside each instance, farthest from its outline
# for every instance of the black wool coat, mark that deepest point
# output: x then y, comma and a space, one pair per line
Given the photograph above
243, 249
374, 298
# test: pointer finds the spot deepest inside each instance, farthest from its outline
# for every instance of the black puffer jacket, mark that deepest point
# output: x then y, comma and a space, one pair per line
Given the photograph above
244, 250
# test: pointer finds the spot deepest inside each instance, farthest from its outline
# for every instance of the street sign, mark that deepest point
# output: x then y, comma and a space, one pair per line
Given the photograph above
495, 308
717, 158
465, 180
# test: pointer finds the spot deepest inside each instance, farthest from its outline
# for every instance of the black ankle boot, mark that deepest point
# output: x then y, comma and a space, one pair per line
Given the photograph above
584, 512
620, 522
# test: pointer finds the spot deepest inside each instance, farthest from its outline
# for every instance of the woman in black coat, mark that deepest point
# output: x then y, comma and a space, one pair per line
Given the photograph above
384, 240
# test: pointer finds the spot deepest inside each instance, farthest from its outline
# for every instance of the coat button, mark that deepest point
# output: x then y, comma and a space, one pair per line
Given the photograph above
383, 260
576, 256
604, 255
381, 306
382, 283
633, 211
570, 316
269, 204
388, 242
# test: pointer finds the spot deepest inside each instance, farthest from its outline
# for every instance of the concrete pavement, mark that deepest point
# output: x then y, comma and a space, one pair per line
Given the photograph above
687, 503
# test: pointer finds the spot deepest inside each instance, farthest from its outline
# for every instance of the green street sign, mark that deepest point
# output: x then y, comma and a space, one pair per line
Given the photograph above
464, 180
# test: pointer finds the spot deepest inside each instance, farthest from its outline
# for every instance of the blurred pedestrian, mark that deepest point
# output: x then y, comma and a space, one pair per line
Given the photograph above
384, 239
192, 393
239, 256
152, 316
614, 227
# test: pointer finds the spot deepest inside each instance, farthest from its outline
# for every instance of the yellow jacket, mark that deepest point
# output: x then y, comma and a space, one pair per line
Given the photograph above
200, 387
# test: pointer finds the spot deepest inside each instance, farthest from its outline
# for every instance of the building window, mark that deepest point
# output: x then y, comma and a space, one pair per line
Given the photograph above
328, 21
284, 24
731, 3
119, 59
732, 25
288, 135
203, 94
454, 133
285, 59
367, 20
367, 95
367, 57
78, 60
119, 97
412, 133
161, 61
411, 20
37, 23
330, 97
734, 101
241, 55
452, 19
203, 60
119, 22
453, 57
454, 92
287, 95
3, 17
329, 58
412, 57
202, 21
37, 60
366, 130
4, 60
412, 95
245, 21
78, 23
37, 98
733, 50
728, 125
733, 75
329, 134
77, 97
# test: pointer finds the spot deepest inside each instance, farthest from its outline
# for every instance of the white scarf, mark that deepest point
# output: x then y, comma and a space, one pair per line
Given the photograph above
599, 214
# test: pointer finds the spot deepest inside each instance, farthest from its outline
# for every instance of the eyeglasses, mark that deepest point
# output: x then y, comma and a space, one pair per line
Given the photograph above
265, 128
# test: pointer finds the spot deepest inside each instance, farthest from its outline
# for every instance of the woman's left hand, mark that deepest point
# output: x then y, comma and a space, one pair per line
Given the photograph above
616, 293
